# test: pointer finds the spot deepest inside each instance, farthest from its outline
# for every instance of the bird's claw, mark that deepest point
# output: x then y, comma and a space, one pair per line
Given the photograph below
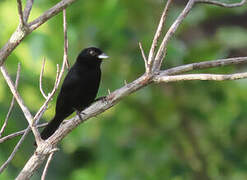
79, 115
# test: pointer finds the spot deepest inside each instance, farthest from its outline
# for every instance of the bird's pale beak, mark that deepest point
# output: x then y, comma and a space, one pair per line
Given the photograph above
102, 56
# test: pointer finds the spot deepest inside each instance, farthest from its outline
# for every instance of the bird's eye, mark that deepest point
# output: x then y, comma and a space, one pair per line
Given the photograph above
92, 52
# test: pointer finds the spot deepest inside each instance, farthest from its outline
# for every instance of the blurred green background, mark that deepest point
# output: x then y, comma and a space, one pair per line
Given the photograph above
186, 130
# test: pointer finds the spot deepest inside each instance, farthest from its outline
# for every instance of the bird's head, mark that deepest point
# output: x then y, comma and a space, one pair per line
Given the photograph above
92, 56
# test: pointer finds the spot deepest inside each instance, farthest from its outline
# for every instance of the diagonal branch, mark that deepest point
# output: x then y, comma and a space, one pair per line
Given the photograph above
21, 33
161, 52
218, 3
12, 101
158, 62
15, 134
143, 56
27, 10
20, 101
50, 13
47, 165
58, 76
157, 35
14, 151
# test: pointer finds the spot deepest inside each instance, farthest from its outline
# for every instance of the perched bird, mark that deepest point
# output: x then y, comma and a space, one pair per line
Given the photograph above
79, 88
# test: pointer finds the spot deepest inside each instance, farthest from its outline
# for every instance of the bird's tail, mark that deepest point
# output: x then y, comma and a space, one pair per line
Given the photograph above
51, 127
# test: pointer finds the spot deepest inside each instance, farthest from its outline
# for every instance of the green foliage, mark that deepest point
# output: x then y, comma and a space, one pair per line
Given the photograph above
189, 130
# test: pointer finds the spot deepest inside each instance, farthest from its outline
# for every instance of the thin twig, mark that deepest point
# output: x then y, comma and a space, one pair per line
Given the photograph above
158, 34
20, 12
218, 3
43, 108
66, 42
46, 166
14, 151
10, 136
203, 77
27, 10
20, 101
161, 52
58, 76
40, 79
12, 101
204, 65
143, 56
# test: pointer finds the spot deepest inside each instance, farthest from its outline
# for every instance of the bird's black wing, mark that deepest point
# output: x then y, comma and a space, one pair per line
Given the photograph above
65, 96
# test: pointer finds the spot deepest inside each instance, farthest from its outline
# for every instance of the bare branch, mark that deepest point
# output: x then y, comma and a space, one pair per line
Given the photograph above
143, 56
20, 101
59, 74
157, 35
19, 4
14, 152
46, 166
204, 65
188, 77
48, 99
57, 81
10, 136
12, 101
161, 52
40, 79
50, 13
21, 33
158, 62
27, 10
218, 3
66, 42
38, 115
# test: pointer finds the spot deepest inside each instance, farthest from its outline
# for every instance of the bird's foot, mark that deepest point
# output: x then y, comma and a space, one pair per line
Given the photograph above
79, 114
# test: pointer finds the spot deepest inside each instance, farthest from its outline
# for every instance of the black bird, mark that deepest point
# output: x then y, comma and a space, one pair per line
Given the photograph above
79, 88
